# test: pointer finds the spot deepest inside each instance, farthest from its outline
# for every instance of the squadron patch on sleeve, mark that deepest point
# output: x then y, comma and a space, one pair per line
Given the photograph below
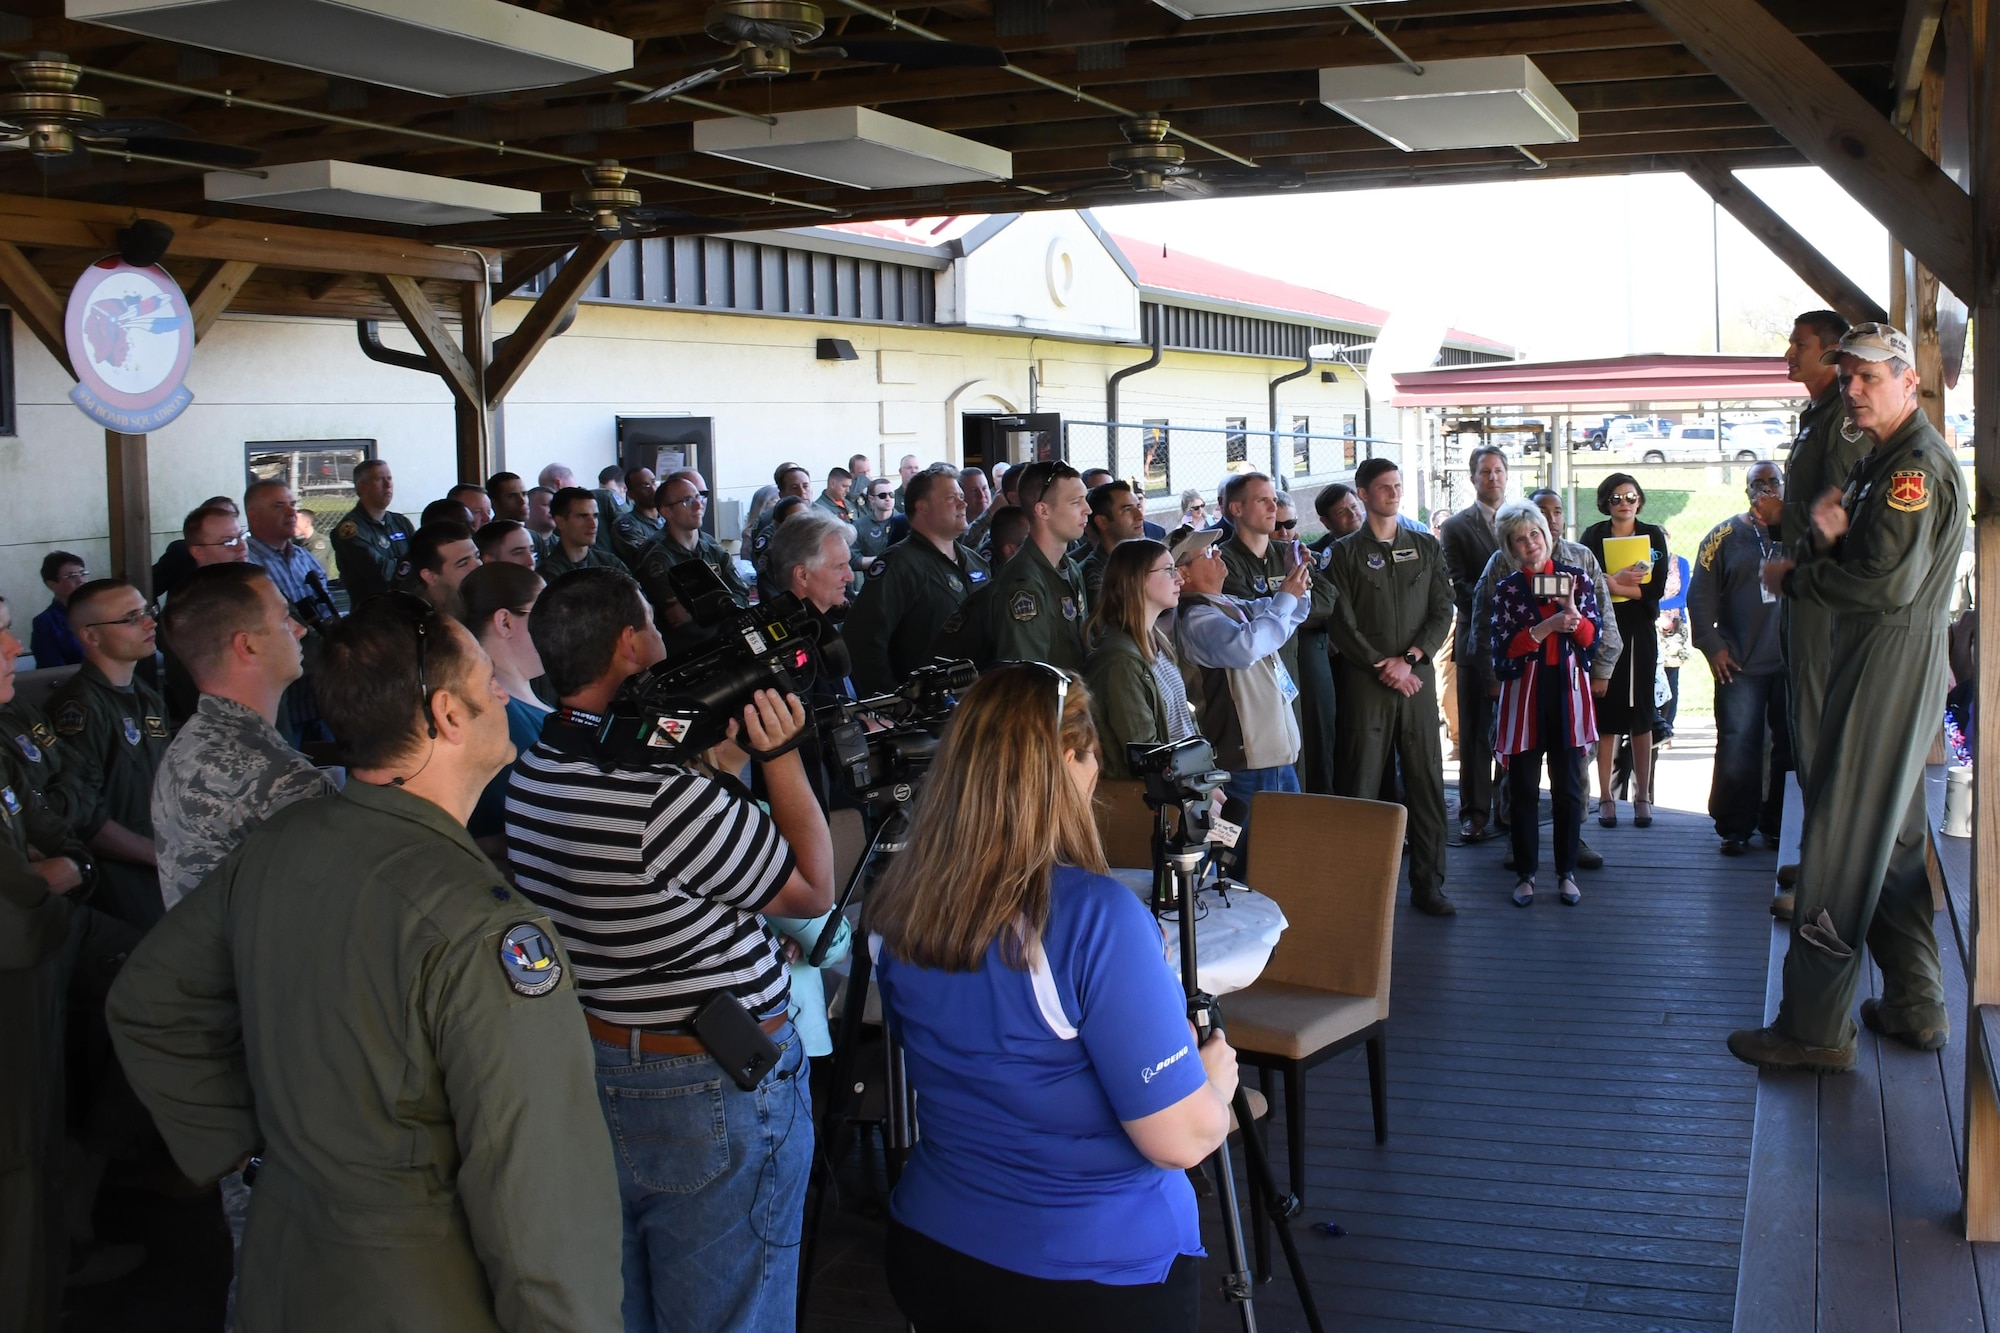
876, 567
529, 959
72, 718
1909, 491
1023, 606
346, 531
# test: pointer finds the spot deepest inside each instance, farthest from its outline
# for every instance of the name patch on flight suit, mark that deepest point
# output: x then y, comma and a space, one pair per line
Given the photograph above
529, 959
1405, 554
977, 576
1909, 491
29, 748
1023, 606
131, 731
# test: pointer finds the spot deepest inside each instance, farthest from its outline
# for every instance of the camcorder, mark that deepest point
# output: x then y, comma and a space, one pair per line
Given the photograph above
885, 766
1181, 776
684, 704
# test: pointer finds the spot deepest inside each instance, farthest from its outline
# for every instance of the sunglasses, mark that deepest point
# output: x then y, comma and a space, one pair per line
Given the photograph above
1062, 688
1624, 498
1288, 525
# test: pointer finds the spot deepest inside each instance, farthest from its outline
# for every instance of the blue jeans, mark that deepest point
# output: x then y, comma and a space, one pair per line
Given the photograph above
1752, 752
713, 1183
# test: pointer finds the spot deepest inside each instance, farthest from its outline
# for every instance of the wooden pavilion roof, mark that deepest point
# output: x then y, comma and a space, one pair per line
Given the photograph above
1247, 85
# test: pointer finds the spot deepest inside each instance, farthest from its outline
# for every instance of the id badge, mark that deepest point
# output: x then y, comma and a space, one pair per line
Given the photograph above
1765, 594
1287, 689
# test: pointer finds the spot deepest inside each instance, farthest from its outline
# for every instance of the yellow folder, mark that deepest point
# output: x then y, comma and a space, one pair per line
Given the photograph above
1623, 552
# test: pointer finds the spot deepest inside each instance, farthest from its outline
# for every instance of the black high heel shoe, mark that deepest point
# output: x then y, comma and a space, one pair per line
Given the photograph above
1639, 820
1607, 812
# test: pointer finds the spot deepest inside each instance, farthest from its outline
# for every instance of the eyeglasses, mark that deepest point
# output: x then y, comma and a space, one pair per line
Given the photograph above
74, 576
1767, 488
146, 613
1208, 552
420, 612
1164, 569
1625, 498
690, 500
1288, 525
231, 542
1198, 507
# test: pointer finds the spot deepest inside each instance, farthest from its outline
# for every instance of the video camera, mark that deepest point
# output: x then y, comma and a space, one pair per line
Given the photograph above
1181, 776
684, 704
885, 766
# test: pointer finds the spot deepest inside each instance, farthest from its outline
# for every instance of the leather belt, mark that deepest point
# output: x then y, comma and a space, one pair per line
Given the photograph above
660, 1043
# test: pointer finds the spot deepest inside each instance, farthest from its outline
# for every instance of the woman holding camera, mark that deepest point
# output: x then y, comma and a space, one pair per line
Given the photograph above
1545, 624
1136, 691
1064, 1096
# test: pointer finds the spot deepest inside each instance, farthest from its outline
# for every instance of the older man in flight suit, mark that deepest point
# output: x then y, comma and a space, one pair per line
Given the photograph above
1890, 546
1392, 613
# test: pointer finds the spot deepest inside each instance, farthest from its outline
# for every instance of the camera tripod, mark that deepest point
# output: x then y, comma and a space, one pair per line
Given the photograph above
1177, 863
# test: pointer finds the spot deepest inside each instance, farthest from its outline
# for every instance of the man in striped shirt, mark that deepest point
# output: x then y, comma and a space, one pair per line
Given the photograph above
654, 876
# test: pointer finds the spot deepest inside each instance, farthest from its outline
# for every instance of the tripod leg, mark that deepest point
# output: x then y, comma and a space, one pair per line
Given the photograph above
1235, 1283
1282, 1208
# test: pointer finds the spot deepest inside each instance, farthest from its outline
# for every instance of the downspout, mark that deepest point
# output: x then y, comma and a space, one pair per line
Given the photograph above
1306, 369
368, 332
1111, 395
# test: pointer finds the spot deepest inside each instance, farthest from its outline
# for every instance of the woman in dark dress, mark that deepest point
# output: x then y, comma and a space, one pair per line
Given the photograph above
1627, 708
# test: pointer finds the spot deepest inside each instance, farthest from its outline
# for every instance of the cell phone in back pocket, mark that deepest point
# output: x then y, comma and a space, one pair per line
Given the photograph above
736, 1041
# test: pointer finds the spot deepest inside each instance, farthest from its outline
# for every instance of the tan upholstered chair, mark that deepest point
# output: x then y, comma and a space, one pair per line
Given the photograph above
1331, 864
1124, 823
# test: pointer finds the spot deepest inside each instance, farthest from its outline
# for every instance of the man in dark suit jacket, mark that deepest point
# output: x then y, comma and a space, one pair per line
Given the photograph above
1470, 538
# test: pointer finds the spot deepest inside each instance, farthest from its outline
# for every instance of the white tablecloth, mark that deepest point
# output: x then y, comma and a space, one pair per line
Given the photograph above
1234, 933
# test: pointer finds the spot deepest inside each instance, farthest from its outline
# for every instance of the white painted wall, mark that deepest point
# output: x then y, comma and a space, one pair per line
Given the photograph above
1045, 273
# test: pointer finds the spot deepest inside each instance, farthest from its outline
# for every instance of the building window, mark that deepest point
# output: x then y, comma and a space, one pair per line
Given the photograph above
1301, 446
321, 475
1236, 440
1154, 445
1350, 426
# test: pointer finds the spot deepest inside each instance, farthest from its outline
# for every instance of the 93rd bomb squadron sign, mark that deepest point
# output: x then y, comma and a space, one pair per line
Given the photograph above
130, 338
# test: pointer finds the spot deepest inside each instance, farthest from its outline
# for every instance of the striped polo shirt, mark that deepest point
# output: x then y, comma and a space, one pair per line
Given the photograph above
653, 878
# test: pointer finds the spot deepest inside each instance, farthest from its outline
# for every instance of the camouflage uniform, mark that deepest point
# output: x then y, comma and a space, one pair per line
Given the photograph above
113, 741
372, 555
225, 773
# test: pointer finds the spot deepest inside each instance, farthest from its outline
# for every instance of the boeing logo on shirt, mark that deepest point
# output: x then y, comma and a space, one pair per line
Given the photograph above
1148, 1075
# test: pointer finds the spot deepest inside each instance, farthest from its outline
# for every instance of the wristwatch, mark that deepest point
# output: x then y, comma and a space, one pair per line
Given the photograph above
1412, 657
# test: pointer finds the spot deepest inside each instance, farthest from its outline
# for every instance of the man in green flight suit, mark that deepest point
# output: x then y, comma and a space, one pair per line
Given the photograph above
112, 729
1888, 551
913, 589
43, 874
1824, 454
372, 544
1391, 616
683, 499
576, 547
874, 524
1254, 566
1037, 608
639, 527
356, 1004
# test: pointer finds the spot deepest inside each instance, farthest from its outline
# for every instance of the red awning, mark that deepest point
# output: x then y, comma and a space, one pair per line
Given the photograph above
1608, 381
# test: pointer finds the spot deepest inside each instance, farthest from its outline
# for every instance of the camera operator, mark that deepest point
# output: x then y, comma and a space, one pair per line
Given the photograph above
654, 875
1136, 688
356, 998
1064, 1096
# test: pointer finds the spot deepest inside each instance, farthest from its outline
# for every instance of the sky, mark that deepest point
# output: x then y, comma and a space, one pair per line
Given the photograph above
1559, 268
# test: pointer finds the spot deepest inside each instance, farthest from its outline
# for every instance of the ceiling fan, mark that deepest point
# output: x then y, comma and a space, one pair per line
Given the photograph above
606, 207
767, 34
1148, 164
60, 126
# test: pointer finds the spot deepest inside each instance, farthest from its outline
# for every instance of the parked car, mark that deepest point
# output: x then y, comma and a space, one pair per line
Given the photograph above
1621, 431
1697, 443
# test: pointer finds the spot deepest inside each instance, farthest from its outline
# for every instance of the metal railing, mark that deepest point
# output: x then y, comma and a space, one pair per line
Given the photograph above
1169, 457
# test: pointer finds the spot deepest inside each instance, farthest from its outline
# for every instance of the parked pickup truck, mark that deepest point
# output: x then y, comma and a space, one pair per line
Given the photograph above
1750, 442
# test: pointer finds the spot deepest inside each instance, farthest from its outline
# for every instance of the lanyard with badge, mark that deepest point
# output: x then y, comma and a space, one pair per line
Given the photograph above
1766, 549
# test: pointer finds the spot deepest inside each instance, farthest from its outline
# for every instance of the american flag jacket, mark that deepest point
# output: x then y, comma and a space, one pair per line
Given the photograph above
1516, 610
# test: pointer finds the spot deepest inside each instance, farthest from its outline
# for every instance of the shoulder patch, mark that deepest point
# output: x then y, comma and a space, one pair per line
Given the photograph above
1023, 607
529, 959
10, 801
346, 531
875, 569
72, 718
1909, 491
29, 749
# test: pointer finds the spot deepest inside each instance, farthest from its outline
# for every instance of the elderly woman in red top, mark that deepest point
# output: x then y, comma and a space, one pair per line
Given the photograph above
1545, 626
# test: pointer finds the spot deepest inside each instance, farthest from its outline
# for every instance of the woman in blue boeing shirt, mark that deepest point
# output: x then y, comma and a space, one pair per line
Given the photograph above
1063, 1093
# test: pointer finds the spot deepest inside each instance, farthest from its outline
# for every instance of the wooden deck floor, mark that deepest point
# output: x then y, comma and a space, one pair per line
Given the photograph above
1569, 1139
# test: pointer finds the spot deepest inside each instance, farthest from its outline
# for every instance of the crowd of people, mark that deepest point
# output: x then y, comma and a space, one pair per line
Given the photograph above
346, 893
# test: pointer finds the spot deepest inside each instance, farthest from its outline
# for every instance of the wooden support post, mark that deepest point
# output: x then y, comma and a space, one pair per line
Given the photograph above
1781, 239
475, 411
1926, 127
519, 348
1833, 125
129, 500
1982, 1113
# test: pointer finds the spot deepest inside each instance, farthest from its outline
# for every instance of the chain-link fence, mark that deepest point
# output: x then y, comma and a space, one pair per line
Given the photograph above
1169, 457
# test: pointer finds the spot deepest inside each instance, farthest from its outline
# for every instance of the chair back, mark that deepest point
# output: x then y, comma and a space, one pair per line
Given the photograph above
1331, 863
35, 687
1124, 824
850, 843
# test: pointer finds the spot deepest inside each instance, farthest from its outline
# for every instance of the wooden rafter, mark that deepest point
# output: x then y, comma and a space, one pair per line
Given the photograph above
1783, 240
520, 347
217, 288
427, 326
31, 297
1913, 53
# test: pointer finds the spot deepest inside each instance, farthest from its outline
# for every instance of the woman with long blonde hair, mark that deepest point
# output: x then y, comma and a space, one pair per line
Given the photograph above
1064, 1096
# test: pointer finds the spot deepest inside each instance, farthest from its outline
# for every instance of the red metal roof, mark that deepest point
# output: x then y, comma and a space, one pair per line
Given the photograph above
1617, 380
1204, 277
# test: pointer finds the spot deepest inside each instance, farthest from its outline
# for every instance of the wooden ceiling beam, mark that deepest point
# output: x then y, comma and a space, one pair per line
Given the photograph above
32, 298
1834, 127
1913, 54
514, 353
1783, 240
427, 326
219, 284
